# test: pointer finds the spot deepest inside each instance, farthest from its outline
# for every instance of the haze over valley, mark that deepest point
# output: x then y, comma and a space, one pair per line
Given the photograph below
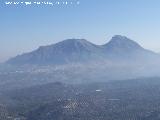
77, 80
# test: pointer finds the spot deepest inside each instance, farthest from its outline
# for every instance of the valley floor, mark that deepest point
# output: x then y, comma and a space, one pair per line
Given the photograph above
137, 99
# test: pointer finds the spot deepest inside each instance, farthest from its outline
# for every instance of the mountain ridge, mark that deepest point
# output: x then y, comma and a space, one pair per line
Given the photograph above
81, 50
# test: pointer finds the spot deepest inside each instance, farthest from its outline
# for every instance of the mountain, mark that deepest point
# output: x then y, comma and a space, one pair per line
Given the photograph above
123, 48
71, 50
122, 45
81, 50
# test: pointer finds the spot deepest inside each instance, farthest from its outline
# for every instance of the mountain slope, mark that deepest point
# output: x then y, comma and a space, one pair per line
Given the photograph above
80, 50
123, 48
71, 50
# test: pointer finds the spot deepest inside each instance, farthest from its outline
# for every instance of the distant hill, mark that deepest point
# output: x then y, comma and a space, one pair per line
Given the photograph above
81, 50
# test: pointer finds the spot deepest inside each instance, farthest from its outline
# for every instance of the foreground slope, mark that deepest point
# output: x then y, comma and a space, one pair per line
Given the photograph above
136, 99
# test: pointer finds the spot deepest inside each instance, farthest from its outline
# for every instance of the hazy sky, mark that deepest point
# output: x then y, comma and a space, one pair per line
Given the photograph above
23, 28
